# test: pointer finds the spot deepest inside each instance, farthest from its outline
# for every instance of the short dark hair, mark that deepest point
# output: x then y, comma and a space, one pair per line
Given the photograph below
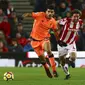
50, 7
76, 11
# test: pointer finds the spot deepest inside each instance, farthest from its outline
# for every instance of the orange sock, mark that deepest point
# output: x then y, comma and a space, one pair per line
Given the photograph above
52, 62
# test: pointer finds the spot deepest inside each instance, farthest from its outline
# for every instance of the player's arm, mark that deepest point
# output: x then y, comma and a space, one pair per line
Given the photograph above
25, 15
33, 15
60, 24
56, 27
57, 31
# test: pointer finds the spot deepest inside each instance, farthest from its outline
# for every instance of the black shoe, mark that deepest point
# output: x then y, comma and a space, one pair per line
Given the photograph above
48, 73
67, 77
55, 74
72, 64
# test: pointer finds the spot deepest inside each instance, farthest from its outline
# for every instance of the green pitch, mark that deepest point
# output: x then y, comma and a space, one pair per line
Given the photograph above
37, 76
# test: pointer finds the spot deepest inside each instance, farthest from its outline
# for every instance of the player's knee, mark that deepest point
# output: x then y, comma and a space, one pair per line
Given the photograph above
42, 59
73, 56
51, 55
49, 52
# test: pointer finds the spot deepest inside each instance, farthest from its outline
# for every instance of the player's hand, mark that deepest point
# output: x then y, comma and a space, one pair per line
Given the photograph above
25, 15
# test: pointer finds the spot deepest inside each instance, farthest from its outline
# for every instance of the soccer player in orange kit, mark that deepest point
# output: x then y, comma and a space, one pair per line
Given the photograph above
43, 22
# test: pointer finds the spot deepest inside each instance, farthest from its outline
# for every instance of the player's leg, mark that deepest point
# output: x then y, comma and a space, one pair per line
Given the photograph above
47, 48
45, 65
64, 66
72, 55
38, 49
62, 57
72, 59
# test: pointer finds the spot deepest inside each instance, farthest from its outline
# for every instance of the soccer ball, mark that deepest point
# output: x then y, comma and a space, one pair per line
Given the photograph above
8, 76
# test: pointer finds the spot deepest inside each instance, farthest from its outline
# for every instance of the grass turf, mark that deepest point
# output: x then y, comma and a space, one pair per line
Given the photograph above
37, 76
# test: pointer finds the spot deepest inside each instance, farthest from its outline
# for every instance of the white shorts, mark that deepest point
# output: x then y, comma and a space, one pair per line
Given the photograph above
66, 50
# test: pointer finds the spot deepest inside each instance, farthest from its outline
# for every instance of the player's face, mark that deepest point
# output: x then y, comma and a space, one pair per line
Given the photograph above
49, 13
75, 17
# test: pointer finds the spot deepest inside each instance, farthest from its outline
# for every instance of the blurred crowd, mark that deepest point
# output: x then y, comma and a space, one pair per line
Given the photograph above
13, 38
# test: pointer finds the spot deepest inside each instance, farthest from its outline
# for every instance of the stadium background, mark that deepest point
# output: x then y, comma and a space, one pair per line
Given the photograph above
12, 59
13, 11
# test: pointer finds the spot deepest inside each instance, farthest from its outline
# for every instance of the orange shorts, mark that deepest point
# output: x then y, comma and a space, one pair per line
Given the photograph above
39, 46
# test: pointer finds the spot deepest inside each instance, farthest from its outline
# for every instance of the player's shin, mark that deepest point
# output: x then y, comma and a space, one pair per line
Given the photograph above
52, 62
46, 67
53, 65
65, 69
64, 65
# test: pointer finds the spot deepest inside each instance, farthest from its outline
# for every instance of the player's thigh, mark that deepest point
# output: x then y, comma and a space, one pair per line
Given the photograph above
72, 52
40, 52
62, 51
46, 45
35, 44
37, 47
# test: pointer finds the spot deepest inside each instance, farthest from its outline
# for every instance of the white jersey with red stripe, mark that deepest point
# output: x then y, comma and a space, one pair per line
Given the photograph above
69, 30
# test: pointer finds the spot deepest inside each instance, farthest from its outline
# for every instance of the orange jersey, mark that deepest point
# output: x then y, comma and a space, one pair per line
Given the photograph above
42, 26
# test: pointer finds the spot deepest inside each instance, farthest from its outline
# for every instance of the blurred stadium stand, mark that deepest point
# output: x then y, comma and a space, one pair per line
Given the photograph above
23, 6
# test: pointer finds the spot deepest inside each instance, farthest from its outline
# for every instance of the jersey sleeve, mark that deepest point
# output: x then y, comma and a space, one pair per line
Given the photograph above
37, 14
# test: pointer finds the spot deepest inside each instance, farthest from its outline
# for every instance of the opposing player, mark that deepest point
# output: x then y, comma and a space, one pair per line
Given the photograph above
43, 22
68, 28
